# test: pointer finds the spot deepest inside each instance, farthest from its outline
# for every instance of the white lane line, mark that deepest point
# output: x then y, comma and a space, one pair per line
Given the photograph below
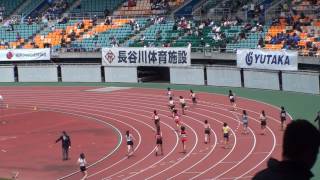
76, 114
199, 114
251, 148
174, 163
118, 115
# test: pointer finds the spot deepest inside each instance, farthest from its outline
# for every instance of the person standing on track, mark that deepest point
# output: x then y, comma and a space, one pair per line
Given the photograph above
283, 118
130, 139
318, 119
263, 122
183, 136
66, 145
226, 134
232, 99
207, 132
183, 104
159, 142
83, 163
193, 97
245, 122
156, 119
300, 147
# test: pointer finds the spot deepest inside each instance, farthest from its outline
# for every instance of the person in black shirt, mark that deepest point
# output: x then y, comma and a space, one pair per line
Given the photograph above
283, 118
318, 119
66, 144
300, 148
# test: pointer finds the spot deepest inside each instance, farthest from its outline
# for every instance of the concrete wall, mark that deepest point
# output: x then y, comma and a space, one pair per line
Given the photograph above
6, 74
187, 75
301, 82
223, 76
83, 73
120, 74
261, 79
38, 73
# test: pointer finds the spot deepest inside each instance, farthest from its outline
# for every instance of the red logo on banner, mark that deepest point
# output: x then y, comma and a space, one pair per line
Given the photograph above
9, 55
110, 56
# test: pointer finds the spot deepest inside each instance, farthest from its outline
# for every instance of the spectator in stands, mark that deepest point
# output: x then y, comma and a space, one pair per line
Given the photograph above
158, 35
72, 35
63, 20
300, 148
142, 38
94, 20
132, 3
18, 37
260, 42
29, 20
2, 43
108, 20
242, 35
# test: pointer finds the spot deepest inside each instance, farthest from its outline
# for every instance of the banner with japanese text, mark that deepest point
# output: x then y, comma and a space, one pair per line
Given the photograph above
24, 54
146, 56
267, 59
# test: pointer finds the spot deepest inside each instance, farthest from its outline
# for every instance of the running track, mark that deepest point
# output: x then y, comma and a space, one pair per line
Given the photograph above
131, 109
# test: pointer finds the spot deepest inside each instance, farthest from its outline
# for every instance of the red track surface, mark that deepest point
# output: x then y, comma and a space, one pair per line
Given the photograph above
83, 114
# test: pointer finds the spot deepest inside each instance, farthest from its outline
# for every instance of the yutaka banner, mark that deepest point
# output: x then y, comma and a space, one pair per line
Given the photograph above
267, 59
149, 56
24, 54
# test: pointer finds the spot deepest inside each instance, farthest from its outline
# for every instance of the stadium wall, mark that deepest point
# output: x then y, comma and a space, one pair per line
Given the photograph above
121, 74
187, 75
261, 79
78, 73
38, 73
301, 82
223, 76
6, 74
297, 81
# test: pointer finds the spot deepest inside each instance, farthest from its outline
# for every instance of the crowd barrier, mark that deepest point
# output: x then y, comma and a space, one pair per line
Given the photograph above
298, 81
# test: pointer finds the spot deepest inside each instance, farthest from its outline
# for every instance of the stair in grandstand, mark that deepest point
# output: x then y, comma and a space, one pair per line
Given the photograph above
144, 8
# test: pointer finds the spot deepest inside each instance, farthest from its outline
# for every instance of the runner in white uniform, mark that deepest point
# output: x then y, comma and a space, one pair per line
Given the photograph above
171, 104
129, 139
193, 97
82, 162
169, 93
183, 104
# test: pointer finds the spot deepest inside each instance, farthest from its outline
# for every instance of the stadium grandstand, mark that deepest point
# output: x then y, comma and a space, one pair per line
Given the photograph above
224, 26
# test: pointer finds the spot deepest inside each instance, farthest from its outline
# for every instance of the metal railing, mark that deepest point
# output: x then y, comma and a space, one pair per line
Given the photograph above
208, 51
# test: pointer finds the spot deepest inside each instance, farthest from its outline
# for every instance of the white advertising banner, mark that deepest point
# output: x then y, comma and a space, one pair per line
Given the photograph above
267, 59
146, 56
24, 54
